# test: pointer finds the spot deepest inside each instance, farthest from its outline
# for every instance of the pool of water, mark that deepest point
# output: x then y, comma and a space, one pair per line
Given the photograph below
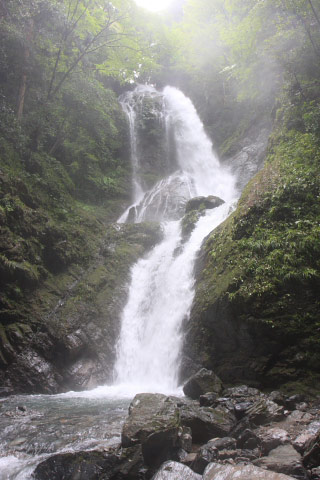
34, 427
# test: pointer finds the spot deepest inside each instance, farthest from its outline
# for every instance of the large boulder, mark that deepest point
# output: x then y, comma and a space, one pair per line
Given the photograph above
202, 382
210, 452
175, 471
284, 459
87, 466
312, 456
271, 438
205, 422
195, 208
215, 471
93, 465
154, 422
265, 411
208, 203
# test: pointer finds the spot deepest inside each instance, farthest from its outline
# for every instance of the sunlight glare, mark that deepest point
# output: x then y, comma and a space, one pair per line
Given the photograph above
154, 5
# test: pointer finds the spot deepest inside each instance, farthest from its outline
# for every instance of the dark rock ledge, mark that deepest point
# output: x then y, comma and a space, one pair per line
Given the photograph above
240, 433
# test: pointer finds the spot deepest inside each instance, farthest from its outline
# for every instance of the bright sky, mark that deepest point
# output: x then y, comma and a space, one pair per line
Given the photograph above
154, 5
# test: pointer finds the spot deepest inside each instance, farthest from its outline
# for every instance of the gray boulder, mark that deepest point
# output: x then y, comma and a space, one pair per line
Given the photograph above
175, 471
307, 437
94, 465
205, 422
215, 471
311, 458
283, 459
154, 422
271, 438
265, 411
209, 202
202, 382
210, 452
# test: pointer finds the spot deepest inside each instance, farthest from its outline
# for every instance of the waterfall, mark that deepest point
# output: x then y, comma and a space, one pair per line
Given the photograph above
162, 284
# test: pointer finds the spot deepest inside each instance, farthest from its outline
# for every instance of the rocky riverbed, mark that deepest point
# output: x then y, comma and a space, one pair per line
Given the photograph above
214, 433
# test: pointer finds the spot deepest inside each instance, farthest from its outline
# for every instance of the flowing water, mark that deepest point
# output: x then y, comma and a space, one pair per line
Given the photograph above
159, 300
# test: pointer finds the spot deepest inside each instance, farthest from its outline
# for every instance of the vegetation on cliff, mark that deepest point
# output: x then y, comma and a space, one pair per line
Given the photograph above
64, 163
256, 312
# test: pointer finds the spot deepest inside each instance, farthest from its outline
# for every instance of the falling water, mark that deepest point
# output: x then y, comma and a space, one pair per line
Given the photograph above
161, 290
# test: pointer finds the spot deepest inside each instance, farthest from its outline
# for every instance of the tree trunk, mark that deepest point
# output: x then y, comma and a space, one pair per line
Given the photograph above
24, 78
314, 12
22, 94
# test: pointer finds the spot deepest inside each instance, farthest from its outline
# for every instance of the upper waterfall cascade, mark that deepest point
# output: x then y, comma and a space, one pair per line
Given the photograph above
161, 289
188, 165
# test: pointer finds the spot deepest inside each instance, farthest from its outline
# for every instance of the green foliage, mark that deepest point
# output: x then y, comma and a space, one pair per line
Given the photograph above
267, 255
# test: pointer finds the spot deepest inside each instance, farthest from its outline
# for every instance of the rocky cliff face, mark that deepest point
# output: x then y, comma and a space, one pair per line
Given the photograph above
255, 316
153, 139
68, 338
63, 265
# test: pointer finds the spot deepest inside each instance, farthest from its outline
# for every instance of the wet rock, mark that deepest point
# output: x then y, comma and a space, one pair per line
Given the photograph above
189, 459
208, 399
270, 438
265, 411
94, 465
147, 414
300, 417
32, 373
248, 158
311, 458
82, 466
154, 423
185, 438
315, 473
75, 343
182, 456
215, 471
283, 459
248, 440
223, 443
207, 454
195, 208
292, 402
241, 409
174, 471
247, 455
205, 202
278, 397
303, 441
218, 448
166, 201
206, 422
202, 382
242, 393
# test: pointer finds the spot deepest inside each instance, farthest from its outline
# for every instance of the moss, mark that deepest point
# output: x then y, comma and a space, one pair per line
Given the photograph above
264, 260
53, 216
189, 220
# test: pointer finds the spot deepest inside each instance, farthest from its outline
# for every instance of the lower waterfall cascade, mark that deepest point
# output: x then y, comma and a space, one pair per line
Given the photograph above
159, 300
